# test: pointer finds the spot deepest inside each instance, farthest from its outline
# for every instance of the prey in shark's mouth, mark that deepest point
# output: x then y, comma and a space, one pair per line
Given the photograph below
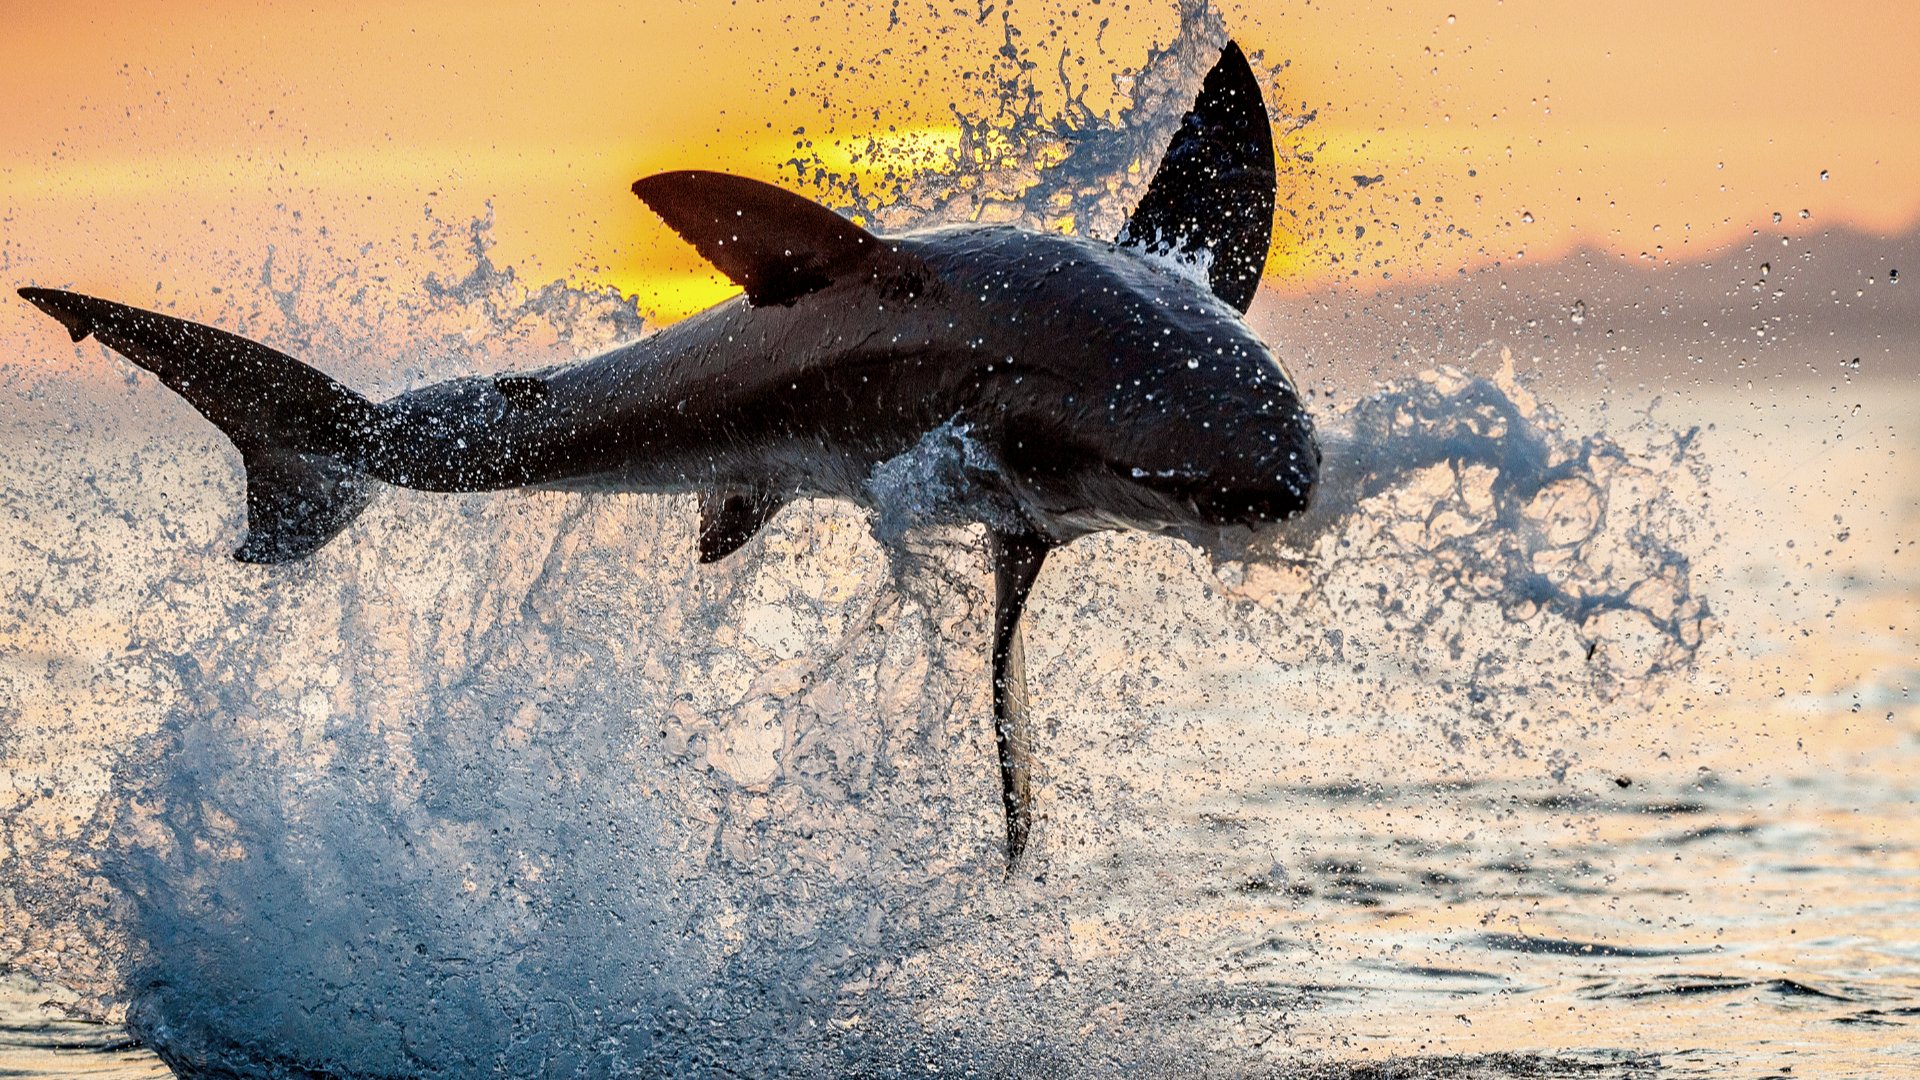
1098, 386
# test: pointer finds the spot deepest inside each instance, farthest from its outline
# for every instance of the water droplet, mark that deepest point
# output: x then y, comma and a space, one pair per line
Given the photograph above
1449, 20
1193, 362
1579, 314
1776, 217
1765, 269
1526, 218
1823, 176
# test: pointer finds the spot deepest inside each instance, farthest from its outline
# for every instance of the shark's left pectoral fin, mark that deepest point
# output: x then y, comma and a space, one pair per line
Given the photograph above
774, 244
728, 519
1017, 558
1213, 194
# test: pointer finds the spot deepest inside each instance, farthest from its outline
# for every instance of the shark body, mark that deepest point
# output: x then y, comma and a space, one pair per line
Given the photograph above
1096, 385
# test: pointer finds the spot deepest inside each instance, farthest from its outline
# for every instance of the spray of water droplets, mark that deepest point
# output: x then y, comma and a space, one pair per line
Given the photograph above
508, 785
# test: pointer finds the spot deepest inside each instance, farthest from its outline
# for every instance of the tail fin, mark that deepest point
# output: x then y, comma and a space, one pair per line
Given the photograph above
295, 428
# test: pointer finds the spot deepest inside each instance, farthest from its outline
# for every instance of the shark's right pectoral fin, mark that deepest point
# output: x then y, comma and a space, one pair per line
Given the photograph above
1214, 191
774, 244
1017, 558
728, 519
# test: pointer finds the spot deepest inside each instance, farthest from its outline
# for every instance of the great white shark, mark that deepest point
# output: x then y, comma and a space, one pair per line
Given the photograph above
1096, 384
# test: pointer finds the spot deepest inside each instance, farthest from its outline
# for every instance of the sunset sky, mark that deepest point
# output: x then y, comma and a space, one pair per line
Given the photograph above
139, 138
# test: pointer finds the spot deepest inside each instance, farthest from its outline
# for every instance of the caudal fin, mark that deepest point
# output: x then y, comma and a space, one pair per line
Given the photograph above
296, 429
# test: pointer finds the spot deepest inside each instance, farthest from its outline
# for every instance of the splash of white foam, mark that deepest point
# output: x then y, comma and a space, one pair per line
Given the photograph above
505, 785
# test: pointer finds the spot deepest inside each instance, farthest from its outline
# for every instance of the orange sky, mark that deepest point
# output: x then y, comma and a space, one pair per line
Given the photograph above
138, 136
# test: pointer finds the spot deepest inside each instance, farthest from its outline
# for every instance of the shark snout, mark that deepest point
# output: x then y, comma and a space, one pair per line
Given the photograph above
1260, 489
1251, 506
1257, 473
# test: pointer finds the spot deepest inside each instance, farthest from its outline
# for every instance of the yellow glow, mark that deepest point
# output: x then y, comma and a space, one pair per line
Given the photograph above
668, 297
138, 134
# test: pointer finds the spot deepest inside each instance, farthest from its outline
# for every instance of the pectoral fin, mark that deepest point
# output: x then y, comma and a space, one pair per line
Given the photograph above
728, 519
1017, 558
1214, 190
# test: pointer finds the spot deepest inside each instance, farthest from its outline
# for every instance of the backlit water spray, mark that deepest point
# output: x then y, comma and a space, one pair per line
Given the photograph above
508, 785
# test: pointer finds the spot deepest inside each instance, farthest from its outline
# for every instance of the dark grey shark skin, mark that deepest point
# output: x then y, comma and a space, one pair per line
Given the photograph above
1111, 394
1096, 385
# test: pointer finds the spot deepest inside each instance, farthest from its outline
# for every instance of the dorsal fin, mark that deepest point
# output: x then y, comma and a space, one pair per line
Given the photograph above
774, 244
1214, 191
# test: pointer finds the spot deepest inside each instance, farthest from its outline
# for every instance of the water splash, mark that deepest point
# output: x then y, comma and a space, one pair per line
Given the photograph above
1016, 159
509, 786
1470, 489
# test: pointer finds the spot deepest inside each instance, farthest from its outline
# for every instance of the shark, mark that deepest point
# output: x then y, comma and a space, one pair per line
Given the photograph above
1096, 384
